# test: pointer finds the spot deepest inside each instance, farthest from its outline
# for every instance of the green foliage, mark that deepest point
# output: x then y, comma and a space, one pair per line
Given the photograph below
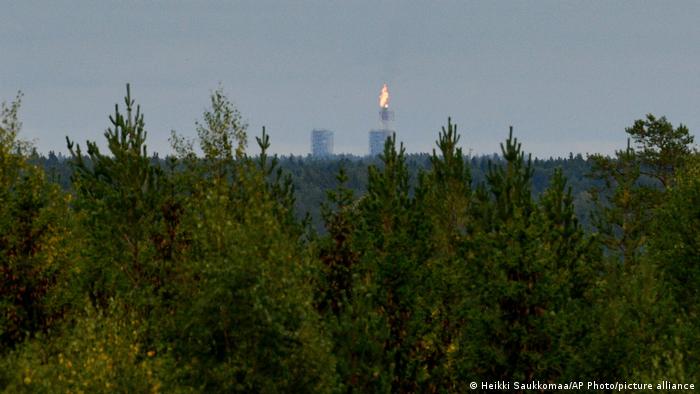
336, 253
445, 190
311, 177
122, 202
640, 327
624, 204
99, 352
677, 239
627, 201
12, 150
250, 306
662, 148
634, 324
223, 134
367, 251
531, 277
391, 263
34, 239
245, 320
196, 274
444, 206
674, 249
222, 139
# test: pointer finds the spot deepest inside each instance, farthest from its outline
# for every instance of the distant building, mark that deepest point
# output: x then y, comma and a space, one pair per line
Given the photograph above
377, 138
321, 143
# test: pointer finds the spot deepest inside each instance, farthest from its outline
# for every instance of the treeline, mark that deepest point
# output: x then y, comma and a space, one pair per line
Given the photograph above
313, 177
194, 273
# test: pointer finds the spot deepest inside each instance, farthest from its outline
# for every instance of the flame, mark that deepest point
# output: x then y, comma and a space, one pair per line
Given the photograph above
384, 97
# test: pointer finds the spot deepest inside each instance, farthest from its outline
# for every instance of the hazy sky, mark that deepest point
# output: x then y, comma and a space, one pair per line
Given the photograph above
569, 76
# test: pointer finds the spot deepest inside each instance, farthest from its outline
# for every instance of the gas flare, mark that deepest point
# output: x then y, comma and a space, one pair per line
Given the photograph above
384, 97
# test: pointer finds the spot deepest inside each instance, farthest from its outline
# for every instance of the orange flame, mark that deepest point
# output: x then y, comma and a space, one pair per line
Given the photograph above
384, 97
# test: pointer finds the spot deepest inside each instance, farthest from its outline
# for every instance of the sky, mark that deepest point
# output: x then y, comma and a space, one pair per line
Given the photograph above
569, 76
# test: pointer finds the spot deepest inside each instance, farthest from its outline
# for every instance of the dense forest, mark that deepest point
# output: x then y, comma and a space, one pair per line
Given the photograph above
313, 177
223, 268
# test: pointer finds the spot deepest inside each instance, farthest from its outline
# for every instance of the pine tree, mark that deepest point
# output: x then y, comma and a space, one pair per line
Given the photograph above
624, 206
337, 254
127, 218
444, 219
635, 182
529, 273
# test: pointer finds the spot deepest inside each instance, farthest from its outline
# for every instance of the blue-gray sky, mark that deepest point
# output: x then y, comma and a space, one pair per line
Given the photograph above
569, 76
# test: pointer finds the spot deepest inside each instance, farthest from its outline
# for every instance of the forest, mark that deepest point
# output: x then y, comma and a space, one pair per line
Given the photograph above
224, 268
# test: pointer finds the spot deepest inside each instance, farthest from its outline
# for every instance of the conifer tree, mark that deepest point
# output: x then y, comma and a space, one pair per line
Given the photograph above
337, 254
662, 149
529, 279
444, 217
632, 307
635, 182
120, 202
379, 319
674, 252
623, 206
